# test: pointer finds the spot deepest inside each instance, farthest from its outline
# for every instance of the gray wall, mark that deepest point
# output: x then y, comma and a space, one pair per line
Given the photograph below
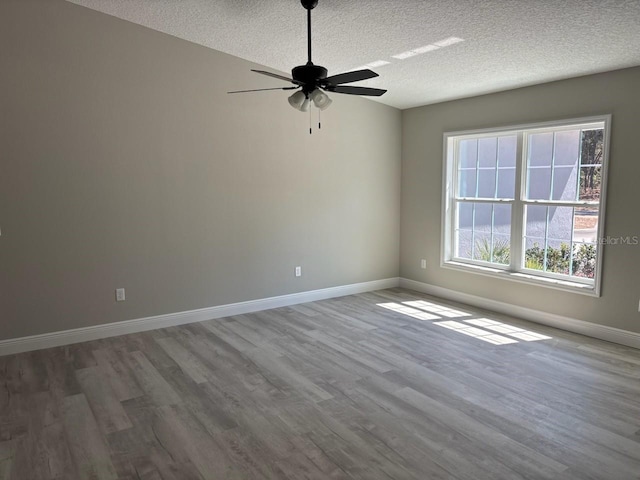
613, 92
123, 163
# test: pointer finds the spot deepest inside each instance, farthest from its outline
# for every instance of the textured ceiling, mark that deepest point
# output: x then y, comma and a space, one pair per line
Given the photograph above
507, 43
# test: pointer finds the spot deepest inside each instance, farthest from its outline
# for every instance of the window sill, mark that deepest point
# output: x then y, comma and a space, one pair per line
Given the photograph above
566, 285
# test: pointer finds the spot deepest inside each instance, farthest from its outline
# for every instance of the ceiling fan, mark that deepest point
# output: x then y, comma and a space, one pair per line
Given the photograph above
310, 80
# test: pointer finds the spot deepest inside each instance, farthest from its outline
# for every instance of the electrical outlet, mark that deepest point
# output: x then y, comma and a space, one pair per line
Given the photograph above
120, 297
423, 263
298, 271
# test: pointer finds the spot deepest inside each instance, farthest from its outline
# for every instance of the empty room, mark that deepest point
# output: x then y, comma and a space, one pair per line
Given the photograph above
319, 239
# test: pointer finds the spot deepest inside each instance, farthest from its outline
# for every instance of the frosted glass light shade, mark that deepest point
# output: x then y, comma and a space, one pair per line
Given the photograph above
299, 101
320, 99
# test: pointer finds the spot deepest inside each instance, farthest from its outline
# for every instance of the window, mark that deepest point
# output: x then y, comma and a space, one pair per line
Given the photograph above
527, 202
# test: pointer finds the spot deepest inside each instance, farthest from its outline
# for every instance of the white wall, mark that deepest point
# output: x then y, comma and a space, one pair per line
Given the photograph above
124, 163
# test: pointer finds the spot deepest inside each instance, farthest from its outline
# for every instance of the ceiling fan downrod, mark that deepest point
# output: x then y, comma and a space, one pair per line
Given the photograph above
308, 74
309, 5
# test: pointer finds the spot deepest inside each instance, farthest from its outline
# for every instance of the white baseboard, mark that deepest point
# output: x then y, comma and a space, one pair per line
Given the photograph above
67, 337
610, 334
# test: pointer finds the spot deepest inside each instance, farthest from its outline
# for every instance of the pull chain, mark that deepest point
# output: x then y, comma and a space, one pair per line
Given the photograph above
319, 122
310, 120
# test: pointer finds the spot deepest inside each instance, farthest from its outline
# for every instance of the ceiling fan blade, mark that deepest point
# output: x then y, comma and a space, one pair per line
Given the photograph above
264, 89
275, 75
371, 92
349, 77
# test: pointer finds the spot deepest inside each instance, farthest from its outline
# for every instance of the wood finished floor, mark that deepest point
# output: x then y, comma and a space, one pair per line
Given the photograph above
337, 389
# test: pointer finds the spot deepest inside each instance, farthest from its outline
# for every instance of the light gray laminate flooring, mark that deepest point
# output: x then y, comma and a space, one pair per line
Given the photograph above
386, 385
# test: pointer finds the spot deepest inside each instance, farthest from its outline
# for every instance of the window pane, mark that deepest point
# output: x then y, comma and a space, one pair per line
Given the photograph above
463, 243
538, 183
590, 183
536, 221
539, 162
592, 150
467, 185
507, 151
558, 256
565, 165
585, 224
560, 224
535, 232
487, 152
465, 215
506, 182
482, 246
484, 232
592, 147
502, 219
567, 148
540, 150
534, 253
477, 165
483, 217
584, 260
468, 153
549, 237
565, 183
561, 240
501, 249
487, 183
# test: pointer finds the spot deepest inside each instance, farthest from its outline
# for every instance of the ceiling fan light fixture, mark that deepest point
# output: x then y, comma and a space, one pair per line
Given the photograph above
299, 101
320, 99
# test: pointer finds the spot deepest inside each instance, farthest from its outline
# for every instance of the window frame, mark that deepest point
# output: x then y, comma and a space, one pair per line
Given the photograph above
513, 271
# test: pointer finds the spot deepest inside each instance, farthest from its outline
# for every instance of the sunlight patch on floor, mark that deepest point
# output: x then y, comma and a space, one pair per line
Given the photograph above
406, 310
491, 331
437, 309
510, 330
476, 332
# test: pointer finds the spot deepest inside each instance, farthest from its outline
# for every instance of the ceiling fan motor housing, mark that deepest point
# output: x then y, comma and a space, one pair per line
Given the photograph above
309, 76
309, 4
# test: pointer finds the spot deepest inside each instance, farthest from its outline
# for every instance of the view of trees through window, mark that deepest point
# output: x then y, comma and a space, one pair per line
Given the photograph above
561, 173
